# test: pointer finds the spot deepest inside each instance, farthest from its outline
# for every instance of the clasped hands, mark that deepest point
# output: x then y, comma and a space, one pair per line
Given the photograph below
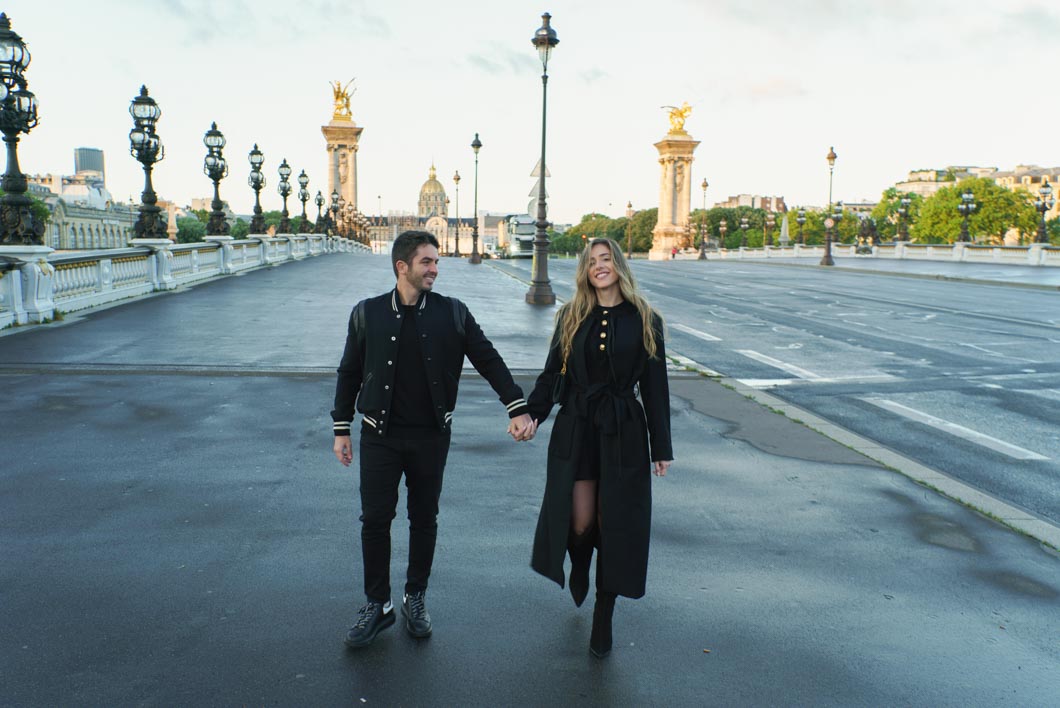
522, 428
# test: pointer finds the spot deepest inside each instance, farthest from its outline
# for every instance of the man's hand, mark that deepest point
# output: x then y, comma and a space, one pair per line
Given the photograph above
522, 428
660, 467
343, 449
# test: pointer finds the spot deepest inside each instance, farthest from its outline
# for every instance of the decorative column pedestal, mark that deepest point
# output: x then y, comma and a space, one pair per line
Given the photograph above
675, 189
162, 258
26, 290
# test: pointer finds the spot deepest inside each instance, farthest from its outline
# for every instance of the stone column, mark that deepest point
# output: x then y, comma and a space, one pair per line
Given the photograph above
30, 288
675, 192
342, 136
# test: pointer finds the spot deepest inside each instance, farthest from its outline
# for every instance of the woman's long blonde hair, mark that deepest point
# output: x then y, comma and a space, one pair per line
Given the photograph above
571, 316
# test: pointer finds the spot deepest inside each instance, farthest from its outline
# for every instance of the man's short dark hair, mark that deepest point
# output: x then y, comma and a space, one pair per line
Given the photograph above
405, 246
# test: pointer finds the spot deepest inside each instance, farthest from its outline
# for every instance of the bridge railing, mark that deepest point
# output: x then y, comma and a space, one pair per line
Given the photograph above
36, 282
1035, 254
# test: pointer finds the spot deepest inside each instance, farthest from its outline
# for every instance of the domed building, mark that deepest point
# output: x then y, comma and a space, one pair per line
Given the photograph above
432, 198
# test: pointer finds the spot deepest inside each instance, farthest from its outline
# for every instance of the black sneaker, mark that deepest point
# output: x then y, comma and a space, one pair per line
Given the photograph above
417, 621
372, 619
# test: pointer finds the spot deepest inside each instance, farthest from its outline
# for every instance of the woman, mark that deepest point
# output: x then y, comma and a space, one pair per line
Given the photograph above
608, 343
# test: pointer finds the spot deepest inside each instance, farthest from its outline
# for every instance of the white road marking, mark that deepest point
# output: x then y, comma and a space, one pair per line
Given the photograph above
777, 363
684, 361
766, 383
959, 431
1050, 393
696, 333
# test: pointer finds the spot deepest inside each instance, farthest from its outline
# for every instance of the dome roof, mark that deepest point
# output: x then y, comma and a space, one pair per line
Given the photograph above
432, 185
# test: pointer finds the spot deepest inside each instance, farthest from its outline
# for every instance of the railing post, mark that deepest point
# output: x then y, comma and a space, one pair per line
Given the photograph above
161, 261
30, 284
224, 249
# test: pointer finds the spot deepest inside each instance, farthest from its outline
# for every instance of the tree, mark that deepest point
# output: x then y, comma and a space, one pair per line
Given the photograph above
201, 214
885, 213
240, 229
998, 210
190, 229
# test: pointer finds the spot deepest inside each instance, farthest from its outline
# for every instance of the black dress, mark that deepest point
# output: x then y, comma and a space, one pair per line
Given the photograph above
598, 364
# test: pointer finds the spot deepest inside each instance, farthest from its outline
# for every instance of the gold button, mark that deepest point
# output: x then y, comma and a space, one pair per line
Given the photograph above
603, 335
604, 323
602, 347
605, 312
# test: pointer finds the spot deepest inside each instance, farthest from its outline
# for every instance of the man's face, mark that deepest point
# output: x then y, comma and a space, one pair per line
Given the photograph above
422, 268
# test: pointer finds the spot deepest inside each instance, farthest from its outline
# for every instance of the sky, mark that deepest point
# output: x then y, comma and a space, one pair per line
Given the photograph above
893, 86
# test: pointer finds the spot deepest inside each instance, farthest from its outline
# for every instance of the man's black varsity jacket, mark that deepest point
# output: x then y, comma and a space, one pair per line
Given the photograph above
447, 333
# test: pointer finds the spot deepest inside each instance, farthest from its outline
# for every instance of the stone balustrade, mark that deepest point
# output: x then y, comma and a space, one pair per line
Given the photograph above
1035, 254
36, 282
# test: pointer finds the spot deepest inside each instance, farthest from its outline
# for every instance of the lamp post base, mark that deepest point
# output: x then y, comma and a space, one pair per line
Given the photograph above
540, 294
827, 260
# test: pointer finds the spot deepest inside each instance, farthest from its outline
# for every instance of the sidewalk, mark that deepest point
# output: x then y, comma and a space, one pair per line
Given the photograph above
177, 532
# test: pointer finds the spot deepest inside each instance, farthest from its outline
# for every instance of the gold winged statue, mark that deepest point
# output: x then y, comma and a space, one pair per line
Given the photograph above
342, 99
678, 116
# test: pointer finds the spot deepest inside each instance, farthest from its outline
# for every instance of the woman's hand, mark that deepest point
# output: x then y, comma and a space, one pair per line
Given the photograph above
659, 468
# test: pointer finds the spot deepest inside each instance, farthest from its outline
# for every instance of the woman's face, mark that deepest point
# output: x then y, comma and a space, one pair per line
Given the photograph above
601, 269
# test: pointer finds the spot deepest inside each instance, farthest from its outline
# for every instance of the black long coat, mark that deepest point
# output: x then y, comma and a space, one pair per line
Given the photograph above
623, 425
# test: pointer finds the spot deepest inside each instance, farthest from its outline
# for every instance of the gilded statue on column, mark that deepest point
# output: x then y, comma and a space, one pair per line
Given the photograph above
341, 95
678, 117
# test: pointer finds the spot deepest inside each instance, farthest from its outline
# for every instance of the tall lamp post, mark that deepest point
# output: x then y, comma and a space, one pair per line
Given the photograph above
723, 228
629, 230
18, 114
303, 196
771, 221
965, 209
1044, 203
476, 144
334, 209
216, 169
447, 226
903, 214
826, 259
320, 226
743, 228
257, 183
800, 219
831, 220
456, 180
540, 292
704, 187
284, 188
147, 148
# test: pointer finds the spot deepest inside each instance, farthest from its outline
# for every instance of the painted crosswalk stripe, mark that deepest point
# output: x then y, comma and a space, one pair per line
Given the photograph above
777, 363
959, 431
696, 333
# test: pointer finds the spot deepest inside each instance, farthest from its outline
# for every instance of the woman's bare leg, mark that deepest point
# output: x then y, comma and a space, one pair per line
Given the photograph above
583, 506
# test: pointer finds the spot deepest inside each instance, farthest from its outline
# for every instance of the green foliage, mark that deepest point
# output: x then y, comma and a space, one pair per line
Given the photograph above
1052, 230
202, 215
998, 210
885, 213
240, 229
599, 226
190, 229
39, 209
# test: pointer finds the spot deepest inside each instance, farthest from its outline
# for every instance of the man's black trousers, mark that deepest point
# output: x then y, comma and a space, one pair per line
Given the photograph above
383, 461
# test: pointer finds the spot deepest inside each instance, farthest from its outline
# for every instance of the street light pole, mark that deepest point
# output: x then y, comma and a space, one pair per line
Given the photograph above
704, 186
723, 228
257, 183
284, 188
771, 221
743, 228
965, 209
540, 292
800, 219
216, 169
827, 259
303, 196
18, 114
629, 230
147, 148
475, 259
903, 214
456, 180
446, 226
320, 226
1044, 203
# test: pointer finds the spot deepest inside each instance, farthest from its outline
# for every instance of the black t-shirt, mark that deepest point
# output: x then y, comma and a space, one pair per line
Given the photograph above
411, 407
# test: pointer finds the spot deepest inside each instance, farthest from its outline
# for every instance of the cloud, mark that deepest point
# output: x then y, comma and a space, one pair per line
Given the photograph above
502, 60
593, 75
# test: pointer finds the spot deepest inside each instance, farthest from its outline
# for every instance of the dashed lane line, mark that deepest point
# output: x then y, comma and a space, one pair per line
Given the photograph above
778, 364
695, 333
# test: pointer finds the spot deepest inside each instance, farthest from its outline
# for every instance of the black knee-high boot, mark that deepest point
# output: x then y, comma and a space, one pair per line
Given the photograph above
600, 639
580, 547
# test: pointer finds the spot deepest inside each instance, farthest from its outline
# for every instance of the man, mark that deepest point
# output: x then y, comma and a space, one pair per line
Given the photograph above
402, 363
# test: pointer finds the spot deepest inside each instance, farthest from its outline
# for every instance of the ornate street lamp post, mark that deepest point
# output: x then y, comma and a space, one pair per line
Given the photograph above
831, 220
340, 215
965, 209
827, 260
216, 169
147, 148
743, 227
18, 114
257, 183
447, 226
320, 226
540, 292
800, 219
334, 209
771, 221
629, 230
1044, 203
903, 214
476, 145
704, 186
303, 196
456, 180
723, 228
284, 188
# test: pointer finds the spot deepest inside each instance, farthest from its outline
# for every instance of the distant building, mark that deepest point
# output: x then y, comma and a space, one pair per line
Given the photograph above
773, 204
206, 204
89, 160
1030, 178
927, 182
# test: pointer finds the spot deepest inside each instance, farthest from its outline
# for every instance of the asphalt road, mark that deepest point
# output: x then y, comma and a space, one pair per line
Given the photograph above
963, 377
175, 531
